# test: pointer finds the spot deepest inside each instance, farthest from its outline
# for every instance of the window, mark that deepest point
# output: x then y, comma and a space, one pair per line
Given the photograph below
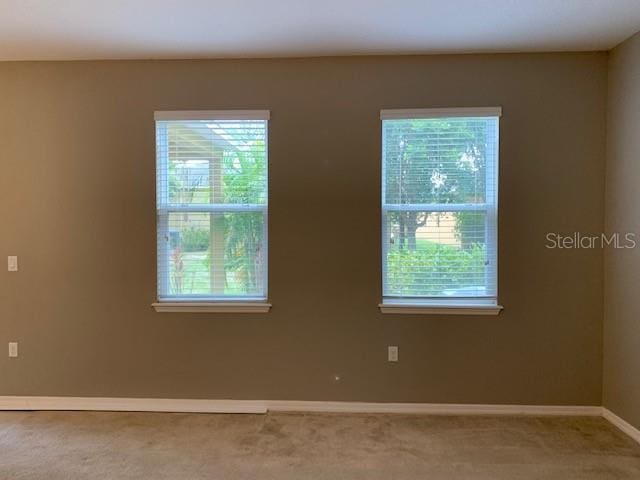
439, 210
212, 202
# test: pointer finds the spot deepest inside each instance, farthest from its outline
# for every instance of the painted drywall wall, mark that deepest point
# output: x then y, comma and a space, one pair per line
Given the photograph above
77, 206
621, 391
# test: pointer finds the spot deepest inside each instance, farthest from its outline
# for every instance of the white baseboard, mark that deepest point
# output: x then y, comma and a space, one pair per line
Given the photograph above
262, 406
132, 404
623, 425
430, 408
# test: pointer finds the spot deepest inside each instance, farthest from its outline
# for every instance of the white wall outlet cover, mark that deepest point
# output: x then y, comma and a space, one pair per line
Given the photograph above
392, 353
13, 349
12, 263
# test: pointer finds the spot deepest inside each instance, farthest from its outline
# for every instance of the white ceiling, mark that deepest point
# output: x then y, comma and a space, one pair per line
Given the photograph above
91, 29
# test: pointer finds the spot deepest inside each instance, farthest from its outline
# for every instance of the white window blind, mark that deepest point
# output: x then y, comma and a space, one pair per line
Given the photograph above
439, 206
212, 205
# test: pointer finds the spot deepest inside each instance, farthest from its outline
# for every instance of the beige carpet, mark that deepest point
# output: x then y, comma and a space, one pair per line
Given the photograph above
101, 445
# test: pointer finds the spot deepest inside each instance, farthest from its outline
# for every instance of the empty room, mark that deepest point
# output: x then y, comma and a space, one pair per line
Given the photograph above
293, 240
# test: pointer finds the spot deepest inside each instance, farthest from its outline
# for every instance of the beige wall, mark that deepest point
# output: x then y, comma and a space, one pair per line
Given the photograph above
77, 206
622, 267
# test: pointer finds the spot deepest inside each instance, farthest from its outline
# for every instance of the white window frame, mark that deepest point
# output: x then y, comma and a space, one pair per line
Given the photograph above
454, 305
194, 303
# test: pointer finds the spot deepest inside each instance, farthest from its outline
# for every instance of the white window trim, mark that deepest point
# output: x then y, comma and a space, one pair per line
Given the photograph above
440, 307
208, 304
443, 310
443, 306
400, 114
211, 307
212, 115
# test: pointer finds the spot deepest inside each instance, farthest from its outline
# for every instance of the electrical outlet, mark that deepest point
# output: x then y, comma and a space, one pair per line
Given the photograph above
13, 349
12, 263
392, 353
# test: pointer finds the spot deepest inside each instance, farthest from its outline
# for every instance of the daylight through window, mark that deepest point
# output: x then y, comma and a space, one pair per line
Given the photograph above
439, 206
212, 205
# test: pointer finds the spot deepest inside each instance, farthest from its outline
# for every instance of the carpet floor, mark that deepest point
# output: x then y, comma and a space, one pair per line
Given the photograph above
283, 446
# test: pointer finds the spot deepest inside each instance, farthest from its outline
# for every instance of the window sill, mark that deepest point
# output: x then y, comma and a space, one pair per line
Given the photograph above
421, 309
211, 307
